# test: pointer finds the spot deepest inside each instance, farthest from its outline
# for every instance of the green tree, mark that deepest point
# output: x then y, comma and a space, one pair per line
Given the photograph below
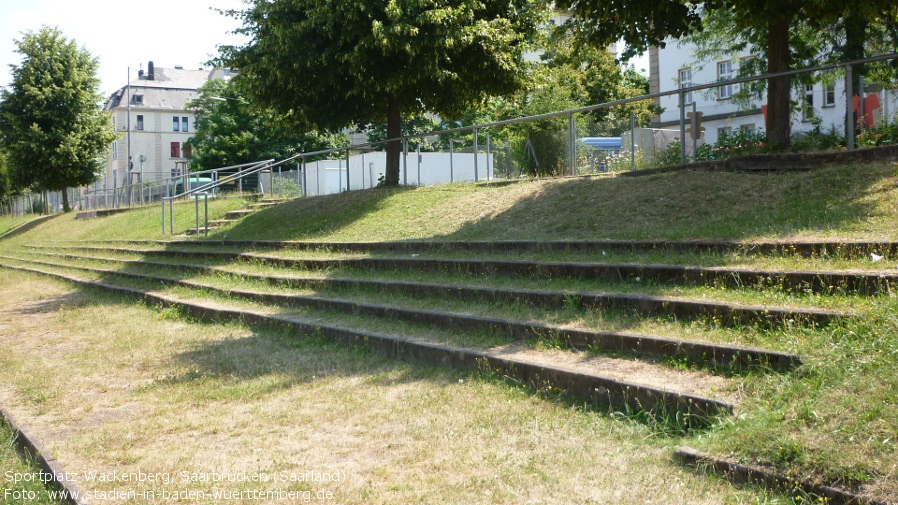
331, 63
230, 130
52, 126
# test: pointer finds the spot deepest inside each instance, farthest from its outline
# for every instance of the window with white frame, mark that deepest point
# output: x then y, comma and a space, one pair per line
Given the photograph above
175, 124
685, 82
139, 122
184, 124
829, 95
724, 131
807, 109
725, 73
747, 128
115, 150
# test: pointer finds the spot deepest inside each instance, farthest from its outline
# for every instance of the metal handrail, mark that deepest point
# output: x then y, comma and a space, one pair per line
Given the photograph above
253, 168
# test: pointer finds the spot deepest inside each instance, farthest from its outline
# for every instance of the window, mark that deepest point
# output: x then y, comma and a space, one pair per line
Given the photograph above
807, 109
175, 149
685, 82
136, 99
139, 122
175, 124
726, 131
829, 95
184, 124
186, 151
747, 128
725, 73
115, 150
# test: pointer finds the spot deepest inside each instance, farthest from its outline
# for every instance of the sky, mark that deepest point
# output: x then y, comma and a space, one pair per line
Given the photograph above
123, 34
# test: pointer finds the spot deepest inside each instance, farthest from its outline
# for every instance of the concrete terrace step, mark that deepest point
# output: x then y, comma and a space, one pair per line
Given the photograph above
601, 391
819, 249
723, 312
720, 356
816, 281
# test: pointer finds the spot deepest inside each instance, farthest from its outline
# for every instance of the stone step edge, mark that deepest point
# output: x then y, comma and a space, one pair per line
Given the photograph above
802, 248
748, 474
27, 443
727, 313
720, 355
605, 392
872, 283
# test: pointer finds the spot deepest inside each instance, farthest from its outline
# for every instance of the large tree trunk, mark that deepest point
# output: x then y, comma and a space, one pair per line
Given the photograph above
394, 149
65, 201
779, 116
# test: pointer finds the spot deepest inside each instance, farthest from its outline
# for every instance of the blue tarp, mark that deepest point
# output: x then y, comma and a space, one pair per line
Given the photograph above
606, 143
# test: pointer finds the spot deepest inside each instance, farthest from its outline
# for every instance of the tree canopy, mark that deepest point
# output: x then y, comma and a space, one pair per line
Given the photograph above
52, 126
231, 130
332, 63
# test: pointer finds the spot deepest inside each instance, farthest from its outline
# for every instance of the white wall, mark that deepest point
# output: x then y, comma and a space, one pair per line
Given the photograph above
329, 176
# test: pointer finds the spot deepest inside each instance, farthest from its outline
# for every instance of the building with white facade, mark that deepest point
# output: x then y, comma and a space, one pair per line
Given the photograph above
724, 109
153, 121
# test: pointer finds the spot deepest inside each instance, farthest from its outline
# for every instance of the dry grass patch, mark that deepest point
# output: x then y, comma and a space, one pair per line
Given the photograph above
145, 390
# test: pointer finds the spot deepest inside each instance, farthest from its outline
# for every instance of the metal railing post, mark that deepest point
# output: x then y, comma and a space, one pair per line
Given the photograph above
476, 174
418, 156
404, 161
196, 200
305, 179
695, 132
849, 109
451, 160
572, 147
171, 216
489, 173
163, 216
206, 205
632, 140
682, 127
347, 170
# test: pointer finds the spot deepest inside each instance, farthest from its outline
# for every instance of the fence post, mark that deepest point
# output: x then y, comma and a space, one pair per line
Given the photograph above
572, 149
404, 161
632, 140
418, 159
196, 200
849, 109
451, 156
305, 180
476, 153
347, 170
163, 215
695, 132
296, 177
682, 127
489, 174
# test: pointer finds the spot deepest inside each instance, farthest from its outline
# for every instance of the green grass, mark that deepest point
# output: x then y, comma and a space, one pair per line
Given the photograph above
834, 419
835, 201
17, 474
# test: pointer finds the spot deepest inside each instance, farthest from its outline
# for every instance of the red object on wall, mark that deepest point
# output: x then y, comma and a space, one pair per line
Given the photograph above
871, 103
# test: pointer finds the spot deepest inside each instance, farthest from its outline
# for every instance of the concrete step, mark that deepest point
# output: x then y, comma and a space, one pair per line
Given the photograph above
580, 382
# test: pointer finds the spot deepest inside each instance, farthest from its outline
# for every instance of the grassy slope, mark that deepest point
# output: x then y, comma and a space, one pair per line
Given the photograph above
836, 417
845, 201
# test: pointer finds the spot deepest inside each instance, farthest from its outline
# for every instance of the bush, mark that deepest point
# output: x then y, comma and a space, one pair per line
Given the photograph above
733, 144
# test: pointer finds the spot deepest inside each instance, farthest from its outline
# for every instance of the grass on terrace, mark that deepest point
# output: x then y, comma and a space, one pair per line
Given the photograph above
835, 418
